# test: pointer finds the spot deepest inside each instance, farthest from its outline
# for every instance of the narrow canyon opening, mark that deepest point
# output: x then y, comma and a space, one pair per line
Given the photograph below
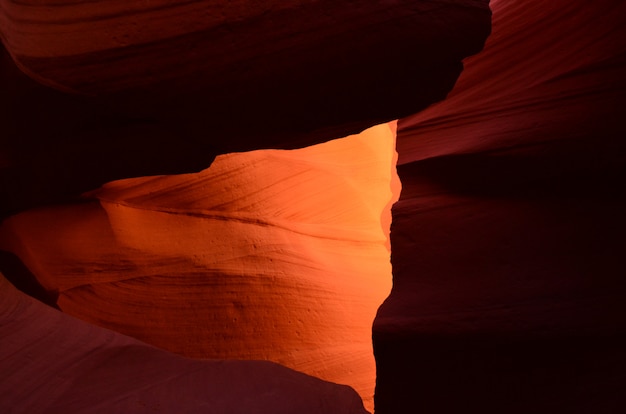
508, 288
278, 255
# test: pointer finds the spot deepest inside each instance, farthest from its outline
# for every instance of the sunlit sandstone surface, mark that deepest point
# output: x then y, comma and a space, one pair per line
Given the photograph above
264, 255
507, 241
64, 365
278, 255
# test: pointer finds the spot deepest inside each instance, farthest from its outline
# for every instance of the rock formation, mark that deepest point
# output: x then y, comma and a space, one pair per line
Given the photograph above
51, 362
506, 242
267, 255
155, 96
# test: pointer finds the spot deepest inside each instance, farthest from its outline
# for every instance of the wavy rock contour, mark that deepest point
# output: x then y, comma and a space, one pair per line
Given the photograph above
267, 255
51, 362
507, 239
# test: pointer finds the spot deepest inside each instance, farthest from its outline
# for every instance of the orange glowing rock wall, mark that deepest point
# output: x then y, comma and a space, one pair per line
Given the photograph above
276, 255
267, 255
51, 362
508, 273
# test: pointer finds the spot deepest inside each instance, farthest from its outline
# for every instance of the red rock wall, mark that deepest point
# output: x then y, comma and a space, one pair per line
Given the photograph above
266, 255
507, 240
507, 243
132, 89
51, 362
238, 76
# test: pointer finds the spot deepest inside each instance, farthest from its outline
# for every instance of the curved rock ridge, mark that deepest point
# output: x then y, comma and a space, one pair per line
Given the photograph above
549, 72
51, 362
133, 91
507, 240
103, 46
277, 255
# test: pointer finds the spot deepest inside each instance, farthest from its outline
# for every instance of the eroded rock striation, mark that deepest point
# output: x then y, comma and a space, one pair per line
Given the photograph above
508, 291
276, 255
235, 76
291, 248
51, 362
507, 240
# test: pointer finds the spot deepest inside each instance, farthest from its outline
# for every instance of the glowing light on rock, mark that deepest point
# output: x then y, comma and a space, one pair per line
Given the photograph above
273, 255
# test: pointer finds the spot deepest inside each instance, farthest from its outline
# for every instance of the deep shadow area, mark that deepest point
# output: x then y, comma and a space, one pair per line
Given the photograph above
580, 168
239, 86
22, 278
492, 374
56, 145
508, 282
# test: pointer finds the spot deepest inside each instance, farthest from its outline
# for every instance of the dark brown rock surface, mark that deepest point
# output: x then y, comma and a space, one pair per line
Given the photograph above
508, 292
106, 90
507, 242
143, 88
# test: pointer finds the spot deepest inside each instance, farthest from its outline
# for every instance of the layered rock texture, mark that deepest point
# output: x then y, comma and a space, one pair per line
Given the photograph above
118, 209
53, 363
162, 87
268, 255
507, 242
271, 255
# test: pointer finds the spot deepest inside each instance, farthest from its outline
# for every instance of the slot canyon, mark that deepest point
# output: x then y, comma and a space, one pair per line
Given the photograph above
384, 206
